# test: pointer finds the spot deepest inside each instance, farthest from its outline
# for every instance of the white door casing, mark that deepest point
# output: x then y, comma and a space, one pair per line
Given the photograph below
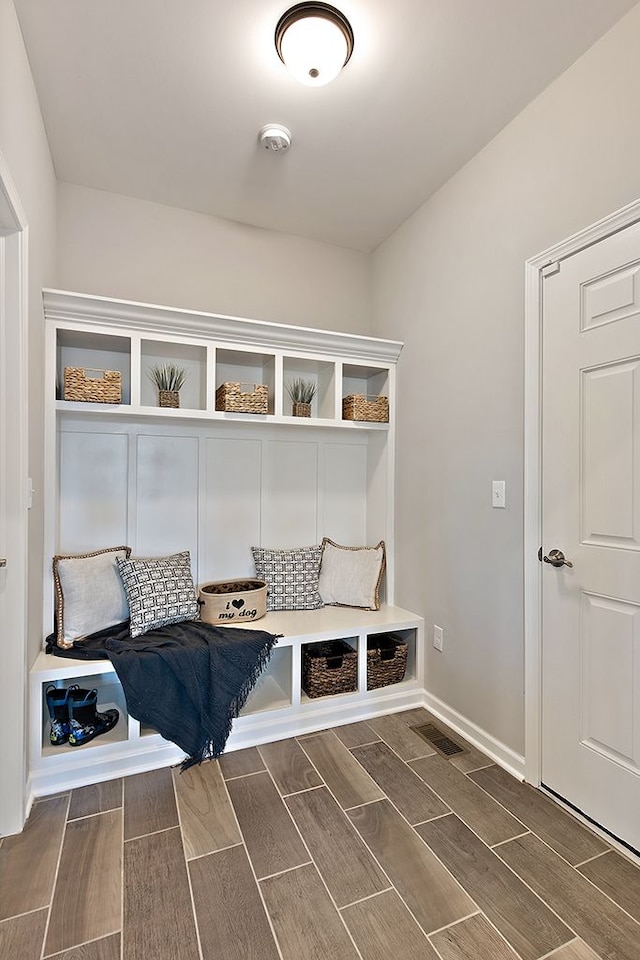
13, 503
582, 460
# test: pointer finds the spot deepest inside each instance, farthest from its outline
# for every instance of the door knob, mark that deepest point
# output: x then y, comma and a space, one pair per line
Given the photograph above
556, 559
3, 563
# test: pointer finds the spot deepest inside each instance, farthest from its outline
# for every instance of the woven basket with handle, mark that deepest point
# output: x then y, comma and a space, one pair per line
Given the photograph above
91, 385
359, 406
237, 397
328, 668
386, 660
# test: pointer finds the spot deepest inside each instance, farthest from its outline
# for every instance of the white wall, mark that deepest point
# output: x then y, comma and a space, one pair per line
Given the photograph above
136, 250
450, 282
24, 146
26, 157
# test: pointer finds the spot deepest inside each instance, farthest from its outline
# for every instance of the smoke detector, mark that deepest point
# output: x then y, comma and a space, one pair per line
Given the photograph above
275, 138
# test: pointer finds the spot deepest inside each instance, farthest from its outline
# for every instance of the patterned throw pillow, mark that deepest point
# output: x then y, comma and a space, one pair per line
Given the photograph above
291, 577
351, 576
89, 594
160, 591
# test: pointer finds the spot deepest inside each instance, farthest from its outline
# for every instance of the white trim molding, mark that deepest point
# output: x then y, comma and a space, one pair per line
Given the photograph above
503, 755
536, 268
13, 477
64, 306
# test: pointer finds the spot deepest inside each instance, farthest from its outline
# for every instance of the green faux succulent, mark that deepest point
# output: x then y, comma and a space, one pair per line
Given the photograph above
167, 376
302, 391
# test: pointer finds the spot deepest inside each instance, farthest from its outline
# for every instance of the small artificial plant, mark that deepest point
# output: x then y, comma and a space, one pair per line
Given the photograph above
302, 391
168, 376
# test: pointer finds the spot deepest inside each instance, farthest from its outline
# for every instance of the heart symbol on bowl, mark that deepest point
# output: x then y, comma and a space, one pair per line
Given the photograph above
238, 604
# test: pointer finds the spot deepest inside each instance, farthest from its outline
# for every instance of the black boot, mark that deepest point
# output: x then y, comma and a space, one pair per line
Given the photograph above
58, 706
85, 722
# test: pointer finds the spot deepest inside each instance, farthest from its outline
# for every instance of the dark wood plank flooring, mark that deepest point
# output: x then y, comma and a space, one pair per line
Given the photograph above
522, 919
86, 903
206, 816
541, 815
353, 843
232, 921
415, 801
345, 864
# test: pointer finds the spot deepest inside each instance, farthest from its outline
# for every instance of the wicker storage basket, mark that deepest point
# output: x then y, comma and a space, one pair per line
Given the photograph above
358, 406
106, 387
386, 660
329, 667
232, 601
236, 397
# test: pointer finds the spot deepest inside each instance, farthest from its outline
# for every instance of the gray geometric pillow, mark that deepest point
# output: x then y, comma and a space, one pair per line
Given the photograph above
291, 577
160, 591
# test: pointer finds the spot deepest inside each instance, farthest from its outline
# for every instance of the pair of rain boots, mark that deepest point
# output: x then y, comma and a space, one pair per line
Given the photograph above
74, 716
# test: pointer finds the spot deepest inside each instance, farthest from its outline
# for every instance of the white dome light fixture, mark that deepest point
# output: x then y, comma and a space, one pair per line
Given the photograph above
314, 41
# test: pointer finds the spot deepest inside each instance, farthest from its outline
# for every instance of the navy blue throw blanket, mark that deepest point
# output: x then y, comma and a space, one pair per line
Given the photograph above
188, 680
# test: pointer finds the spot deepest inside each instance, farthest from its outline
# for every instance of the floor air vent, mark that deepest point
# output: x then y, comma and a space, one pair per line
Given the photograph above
439, 740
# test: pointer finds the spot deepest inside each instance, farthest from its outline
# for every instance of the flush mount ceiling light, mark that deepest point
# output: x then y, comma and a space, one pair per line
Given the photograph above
314, 41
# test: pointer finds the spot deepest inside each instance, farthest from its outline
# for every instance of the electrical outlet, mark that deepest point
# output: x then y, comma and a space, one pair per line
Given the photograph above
438, 637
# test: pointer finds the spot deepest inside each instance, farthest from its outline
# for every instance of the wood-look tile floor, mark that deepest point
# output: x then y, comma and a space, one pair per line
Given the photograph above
358, 842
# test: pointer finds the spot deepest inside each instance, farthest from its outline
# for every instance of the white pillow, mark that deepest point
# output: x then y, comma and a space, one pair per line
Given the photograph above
351, 576
89, 594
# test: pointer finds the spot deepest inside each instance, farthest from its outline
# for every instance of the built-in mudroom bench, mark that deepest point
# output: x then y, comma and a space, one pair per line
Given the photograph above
216, 482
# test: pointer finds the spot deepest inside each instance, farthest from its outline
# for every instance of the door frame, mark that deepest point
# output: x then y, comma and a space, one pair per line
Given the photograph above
535, 270
13, 678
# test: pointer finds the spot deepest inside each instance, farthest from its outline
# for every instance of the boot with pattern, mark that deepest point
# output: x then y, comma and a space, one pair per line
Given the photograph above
58, 706
85, 721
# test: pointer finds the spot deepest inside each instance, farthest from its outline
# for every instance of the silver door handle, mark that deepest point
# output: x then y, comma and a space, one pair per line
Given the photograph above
3, 563
556, 559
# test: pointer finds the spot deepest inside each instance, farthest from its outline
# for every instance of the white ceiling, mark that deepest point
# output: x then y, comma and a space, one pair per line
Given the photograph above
163, 100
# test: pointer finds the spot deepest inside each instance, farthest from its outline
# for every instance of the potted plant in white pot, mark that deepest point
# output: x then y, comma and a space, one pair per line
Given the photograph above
302, 393
168, 378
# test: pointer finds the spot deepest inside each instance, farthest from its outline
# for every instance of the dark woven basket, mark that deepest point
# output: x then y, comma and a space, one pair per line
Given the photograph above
386, 660
328, 668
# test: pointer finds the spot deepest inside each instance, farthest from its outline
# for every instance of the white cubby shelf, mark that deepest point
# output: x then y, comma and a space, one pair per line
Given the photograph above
215, 483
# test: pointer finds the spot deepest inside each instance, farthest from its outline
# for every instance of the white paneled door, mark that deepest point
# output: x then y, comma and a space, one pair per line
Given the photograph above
591, 514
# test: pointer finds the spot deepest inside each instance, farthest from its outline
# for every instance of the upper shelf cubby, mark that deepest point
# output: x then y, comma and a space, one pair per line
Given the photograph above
92, 353
251, 371
188, 357
364, 379
320, 373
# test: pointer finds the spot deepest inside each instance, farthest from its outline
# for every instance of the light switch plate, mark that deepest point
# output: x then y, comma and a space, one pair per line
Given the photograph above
498, 494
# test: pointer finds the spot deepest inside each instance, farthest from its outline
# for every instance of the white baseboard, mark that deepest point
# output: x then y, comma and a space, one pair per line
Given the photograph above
152, 752
503, 755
